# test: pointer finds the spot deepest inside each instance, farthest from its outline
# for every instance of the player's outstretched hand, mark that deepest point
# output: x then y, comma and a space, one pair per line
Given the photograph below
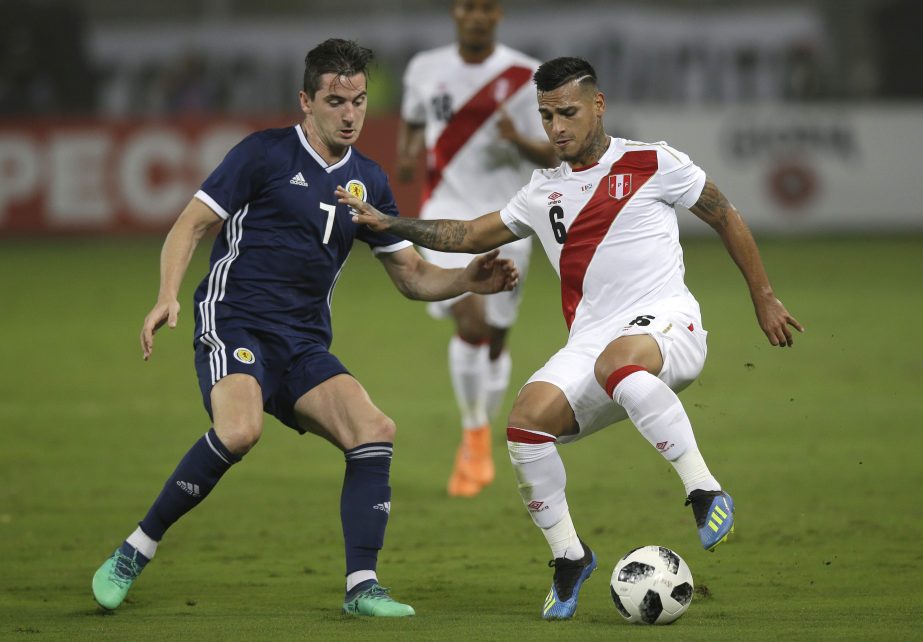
487, 274
775, 320
162, 312
363, 213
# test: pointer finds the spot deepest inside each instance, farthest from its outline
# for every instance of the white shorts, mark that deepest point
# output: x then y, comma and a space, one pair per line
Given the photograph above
500, 309
679, 334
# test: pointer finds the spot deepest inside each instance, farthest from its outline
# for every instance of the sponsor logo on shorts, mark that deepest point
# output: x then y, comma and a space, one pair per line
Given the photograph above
357, 189
244, 356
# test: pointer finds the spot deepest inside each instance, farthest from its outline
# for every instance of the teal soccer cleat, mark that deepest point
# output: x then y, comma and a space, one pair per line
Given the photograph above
113, 579
714, 516
370, 598
569, 576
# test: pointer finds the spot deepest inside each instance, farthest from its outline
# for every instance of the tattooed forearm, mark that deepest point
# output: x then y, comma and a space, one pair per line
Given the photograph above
443, 235
713, 207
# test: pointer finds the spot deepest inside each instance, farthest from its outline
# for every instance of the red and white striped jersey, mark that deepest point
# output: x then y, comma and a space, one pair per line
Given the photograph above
610, 229
470, 169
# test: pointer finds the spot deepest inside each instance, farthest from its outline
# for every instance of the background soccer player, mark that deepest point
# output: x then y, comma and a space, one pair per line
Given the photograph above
607, 221
262, 317
471, 105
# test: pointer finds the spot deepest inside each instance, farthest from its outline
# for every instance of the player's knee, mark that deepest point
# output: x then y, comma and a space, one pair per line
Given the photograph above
475, 333
602, 370
525, 417
240, 436
382, 429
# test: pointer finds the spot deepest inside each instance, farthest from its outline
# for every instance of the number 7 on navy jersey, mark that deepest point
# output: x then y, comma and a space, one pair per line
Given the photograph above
331, 210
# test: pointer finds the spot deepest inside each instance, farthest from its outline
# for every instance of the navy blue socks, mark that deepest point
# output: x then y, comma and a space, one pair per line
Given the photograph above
365, 504
191, 482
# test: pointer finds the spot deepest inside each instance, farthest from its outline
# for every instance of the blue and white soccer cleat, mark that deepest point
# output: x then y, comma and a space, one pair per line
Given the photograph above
569, 576
116, 575
714, 516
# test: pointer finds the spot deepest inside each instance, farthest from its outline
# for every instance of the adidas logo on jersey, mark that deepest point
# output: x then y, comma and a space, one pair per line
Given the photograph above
384, 506
192, 489
298, 179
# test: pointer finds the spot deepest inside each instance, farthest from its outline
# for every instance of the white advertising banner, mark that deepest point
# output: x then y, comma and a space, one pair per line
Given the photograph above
790, 170
797, 169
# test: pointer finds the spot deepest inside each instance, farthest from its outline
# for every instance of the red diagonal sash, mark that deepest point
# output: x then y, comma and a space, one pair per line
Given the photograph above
469, 118
593, 222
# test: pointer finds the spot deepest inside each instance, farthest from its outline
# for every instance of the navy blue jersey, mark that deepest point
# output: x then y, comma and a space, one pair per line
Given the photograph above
285, 238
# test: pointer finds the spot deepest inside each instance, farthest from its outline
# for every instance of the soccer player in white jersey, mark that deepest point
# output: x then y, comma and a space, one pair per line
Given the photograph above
607, 221
472, 107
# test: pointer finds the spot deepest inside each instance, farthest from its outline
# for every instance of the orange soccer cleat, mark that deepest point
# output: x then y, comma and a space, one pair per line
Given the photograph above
474, 464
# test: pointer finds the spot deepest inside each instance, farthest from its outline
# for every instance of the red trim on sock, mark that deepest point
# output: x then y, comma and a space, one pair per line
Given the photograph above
482, 342
616, 377
522, 436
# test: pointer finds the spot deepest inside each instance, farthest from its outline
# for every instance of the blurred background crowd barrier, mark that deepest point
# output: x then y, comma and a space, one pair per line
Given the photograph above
809, 114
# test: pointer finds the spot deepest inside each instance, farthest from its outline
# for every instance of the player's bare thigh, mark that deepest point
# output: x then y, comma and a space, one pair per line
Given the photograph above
629, 350
542, 406
341, 411
237, 412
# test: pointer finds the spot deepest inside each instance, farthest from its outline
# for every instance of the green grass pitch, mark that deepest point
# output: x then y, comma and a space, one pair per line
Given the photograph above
820, 446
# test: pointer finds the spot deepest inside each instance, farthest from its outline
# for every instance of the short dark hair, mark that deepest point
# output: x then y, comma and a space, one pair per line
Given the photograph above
554, 73
334, 56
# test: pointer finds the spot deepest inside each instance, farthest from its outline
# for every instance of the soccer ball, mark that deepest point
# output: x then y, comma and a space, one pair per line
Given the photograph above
651, 585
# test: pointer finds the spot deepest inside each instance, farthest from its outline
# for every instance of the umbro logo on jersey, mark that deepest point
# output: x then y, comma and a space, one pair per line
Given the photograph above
192, 489
298, 179
554, 196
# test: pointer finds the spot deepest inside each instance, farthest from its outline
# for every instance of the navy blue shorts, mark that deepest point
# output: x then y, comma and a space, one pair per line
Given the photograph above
285, 367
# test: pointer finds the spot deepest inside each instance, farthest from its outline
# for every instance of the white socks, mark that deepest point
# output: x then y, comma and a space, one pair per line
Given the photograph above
467, 367
358, 577
541, 481
562, 537
498, 380
692, 470
480, 384
659, 416
144, 544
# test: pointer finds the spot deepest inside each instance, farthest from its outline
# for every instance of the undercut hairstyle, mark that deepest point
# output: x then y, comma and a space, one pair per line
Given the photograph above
334, 56
554, 73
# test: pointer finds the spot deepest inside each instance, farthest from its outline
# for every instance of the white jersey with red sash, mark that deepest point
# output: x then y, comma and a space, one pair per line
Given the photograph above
610, 230
470, 169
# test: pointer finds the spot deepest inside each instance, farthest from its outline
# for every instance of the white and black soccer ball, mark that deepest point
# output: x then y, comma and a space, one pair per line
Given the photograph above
651, 585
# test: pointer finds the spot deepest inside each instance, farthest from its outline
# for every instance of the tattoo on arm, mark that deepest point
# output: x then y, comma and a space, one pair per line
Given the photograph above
713, 207
443, 235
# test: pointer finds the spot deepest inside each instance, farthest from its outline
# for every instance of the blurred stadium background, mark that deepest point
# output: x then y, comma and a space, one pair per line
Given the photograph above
811, 112
808, 114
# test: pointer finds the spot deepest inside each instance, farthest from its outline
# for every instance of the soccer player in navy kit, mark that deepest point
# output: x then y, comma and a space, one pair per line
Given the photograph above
262, 317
